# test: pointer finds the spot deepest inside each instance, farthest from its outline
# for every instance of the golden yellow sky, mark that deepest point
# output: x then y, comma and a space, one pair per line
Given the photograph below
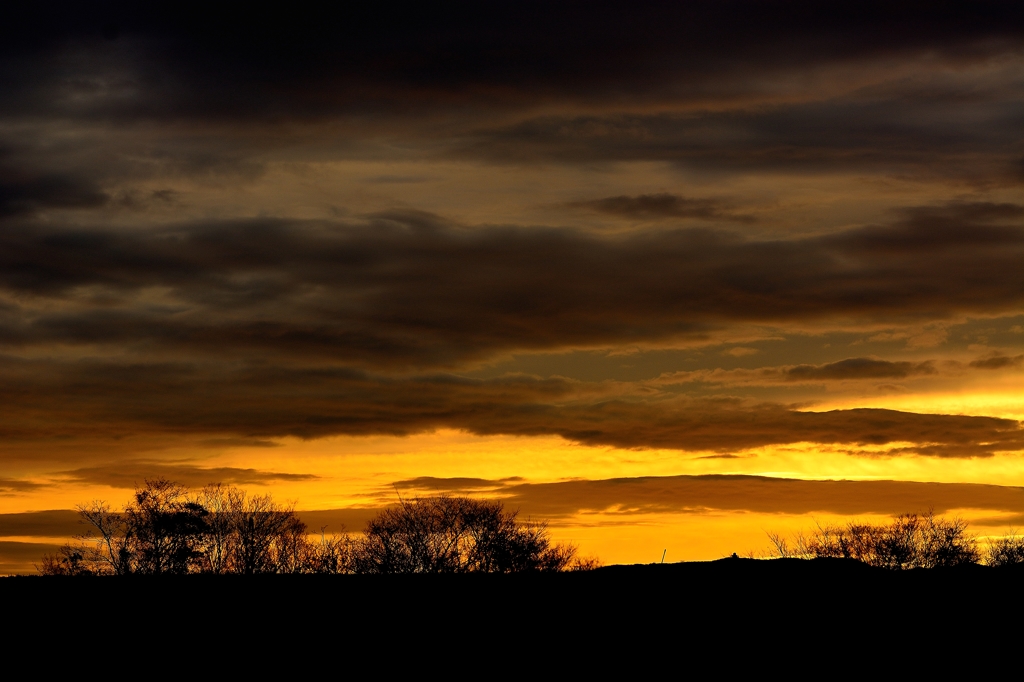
589, 263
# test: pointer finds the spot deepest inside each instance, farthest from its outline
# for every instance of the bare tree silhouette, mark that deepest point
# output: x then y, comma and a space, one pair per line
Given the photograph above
165, 529
159, 531
909, 541
166, 526
1006, 551
446, 534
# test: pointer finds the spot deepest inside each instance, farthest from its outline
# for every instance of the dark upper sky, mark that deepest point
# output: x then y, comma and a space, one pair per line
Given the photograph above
678, 225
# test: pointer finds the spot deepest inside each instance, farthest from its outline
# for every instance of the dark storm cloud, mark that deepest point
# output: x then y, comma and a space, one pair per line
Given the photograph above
251, 328
696, 494
384, 68
167, 63
857, 368
408, 289
841, 135
26, 193
718, 86
939, 228
663, 206
109, 401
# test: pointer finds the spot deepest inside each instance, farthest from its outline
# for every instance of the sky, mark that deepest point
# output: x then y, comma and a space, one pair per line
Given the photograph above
667, 276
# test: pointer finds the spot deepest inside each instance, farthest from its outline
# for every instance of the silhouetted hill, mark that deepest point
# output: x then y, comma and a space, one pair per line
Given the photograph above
734, 586
738, 614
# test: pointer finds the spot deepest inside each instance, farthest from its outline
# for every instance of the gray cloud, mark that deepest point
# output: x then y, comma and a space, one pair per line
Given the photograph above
10, 485
752, 494
841, 135
998, 362
664, 206
760, 494
132, 474
53, 523
20, 558
26, 193
426, 484
857, 368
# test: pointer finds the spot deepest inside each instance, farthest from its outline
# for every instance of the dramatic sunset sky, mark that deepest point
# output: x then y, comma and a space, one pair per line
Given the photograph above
667, 276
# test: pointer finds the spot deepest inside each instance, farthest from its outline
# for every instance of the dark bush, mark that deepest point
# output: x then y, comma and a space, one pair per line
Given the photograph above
68, 560
445, 534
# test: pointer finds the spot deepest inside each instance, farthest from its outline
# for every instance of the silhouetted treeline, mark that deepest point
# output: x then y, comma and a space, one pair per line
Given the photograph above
909, 541
167, 529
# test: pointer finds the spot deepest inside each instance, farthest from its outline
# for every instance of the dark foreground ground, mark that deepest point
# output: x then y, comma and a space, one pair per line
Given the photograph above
617, 613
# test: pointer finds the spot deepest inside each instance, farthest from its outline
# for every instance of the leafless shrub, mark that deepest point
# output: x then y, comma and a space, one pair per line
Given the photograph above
112, 540
332, 554
909, 541
780, 546
584, 564
1006, 551
68, 560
